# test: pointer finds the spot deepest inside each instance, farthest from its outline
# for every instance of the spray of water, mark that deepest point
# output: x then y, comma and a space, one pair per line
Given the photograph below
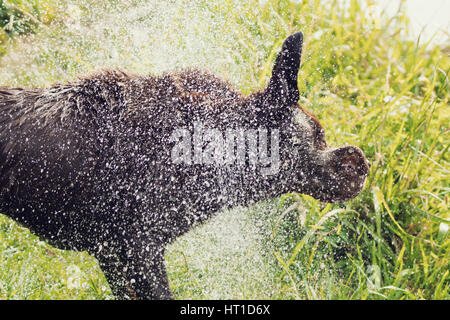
222, 259
138, 36
227, 257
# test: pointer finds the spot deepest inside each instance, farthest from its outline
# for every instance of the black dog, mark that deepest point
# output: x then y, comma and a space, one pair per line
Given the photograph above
105, 164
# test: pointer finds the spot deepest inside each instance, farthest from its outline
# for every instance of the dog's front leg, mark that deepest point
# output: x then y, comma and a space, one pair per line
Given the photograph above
137, 272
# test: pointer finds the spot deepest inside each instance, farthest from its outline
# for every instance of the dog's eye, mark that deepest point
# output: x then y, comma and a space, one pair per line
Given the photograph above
319, 138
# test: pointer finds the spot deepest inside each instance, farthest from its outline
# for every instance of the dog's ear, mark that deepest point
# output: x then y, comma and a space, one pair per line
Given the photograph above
282, 88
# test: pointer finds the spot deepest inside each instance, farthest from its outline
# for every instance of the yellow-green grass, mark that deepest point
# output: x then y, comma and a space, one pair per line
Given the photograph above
367, 84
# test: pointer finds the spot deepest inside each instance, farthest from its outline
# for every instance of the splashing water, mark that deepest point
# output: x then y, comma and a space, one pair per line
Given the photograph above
224, 258
142, 37
227, 257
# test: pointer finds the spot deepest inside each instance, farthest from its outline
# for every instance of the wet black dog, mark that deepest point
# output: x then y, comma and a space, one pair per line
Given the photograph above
105, 164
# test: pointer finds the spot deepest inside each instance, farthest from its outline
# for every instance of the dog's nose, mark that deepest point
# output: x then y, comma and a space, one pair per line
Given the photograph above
352, 160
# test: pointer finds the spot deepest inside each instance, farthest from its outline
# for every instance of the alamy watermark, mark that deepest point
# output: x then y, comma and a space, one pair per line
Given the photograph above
211, 146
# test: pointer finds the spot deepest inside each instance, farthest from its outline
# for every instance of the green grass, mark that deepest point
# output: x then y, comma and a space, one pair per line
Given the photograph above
22, 17
369, 86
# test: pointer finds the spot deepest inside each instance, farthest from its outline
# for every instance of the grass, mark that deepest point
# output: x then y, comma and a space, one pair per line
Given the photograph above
368, 84
21, 17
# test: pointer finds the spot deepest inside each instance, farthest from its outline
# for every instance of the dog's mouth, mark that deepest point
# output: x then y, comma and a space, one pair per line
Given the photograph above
338, 192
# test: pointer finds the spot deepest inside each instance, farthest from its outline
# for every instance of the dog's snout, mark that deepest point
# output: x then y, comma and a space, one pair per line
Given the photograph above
351, 160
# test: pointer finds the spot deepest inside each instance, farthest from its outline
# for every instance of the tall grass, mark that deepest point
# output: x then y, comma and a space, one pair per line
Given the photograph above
370, 87
22, 17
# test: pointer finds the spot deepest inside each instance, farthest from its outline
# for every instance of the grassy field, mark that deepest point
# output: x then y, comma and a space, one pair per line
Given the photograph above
369, 86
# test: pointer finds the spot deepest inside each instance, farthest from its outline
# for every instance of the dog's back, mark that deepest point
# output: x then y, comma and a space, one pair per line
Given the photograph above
47, 160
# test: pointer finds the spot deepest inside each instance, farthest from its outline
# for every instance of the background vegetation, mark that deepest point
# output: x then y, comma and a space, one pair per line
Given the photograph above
368, 84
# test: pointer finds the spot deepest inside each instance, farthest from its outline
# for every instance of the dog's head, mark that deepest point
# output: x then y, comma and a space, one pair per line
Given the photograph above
308, 164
